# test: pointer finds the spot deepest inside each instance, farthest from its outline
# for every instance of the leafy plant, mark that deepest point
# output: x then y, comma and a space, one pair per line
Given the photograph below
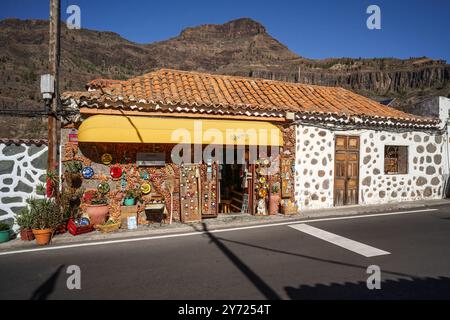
94, 197
25, 219
4, 226
70, 202
46, 213
275, 188
73, 166
134, 193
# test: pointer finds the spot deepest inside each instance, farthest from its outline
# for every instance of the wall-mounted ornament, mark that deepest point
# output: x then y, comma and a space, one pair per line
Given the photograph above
146, 188
106, 158
116, 172
87, 172
103, 187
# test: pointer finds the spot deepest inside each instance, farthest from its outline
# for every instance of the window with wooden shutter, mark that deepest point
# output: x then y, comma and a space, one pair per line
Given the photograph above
395, 159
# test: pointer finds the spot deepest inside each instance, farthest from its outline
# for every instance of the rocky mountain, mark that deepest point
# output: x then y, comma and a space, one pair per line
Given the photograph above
239, 47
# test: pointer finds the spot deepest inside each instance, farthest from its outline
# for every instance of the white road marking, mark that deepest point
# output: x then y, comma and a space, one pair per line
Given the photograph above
98, 243
349, 244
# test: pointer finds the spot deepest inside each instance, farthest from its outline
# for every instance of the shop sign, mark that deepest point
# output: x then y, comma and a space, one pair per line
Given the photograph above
73, 136
151, 159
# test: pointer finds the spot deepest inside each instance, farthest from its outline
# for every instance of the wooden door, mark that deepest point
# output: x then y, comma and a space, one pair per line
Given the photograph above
346, 170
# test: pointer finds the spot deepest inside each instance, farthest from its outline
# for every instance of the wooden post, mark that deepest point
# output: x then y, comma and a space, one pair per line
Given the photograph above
54, 53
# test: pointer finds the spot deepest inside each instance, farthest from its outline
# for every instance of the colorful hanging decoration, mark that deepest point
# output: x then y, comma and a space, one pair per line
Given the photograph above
87, 172
123, 182
103, 187
106, 158
116, 172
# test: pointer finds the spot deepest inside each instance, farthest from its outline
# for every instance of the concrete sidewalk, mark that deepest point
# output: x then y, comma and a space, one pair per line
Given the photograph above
224, 221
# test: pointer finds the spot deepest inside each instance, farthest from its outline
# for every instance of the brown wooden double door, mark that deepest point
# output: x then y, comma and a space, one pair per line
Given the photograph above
346, 170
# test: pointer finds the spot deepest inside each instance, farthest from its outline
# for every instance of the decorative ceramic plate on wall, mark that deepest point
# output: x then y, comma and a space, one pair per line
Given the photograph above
146, 188
103, 187
116, 172
106, 158
87, 172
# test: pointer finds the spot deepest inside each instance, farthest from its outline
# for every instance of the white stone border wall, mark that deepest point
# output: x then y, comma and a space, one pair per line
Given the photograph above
22, 169
314, 167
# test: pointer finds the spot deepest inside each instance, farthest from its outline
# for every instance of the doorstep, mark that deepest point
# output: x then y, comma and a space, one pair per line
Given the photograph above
224, 221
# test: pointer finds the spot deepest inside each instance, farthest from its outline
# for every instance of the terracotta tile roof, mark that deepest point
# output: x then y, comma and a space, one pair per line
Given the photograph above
175, 90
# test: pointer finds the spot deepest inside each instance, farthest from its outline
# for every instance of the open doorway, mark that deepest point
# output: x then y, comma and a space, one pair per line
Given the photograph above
232, 187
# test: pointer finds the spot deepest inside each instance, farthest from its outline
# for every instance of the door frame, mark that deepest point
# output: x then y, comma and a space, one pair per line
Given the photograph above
358, 153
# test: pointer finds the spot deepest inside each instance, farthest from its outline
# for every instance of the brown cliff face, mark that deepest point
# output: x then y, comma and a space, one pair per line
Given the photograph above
239, 47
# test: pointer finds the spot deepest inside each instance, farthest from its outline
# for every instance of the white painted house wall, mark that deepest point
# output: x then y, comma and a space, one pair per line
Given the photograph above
314, 180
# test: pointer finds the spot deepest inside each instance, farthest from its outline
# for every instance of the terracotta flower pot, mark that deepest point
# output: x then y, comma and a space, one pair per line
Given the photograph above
274, 203
26, 234
43, 236
97, 213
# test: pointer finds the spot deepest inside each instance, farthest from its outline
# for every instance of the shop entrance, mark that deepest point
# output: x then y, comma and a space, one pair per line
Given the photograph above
233, 187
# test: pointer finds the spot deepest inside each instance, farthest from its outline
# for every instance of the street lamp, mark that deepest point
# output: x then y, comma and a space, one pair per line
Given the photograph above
47, 89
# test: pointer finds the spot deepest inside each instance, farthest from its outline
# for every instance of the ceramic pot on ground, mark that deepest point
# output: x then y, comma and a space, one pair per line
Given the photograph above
26, 234
128, 201
97, 213
43, 236
274, 204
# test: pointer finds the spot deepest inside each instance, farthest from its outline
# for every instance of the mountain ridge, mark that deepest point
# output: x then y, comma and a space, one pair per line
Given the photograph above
241, 47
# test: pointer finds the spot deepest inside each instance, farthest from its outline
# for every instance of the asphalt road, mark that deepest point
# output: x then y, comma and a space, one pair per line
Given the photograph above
275, 262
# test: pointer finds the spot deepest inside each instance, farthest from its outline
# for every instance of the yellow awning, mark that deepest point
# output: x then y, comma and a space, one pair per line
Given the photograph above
140, 129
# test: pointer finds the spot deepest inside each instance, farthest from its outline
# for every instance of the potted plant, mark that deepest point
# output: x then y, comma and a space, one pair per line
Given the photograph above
70, 203
132, 195
5, 232
25, 222
96, 207
274, 199
72, 173
47, 216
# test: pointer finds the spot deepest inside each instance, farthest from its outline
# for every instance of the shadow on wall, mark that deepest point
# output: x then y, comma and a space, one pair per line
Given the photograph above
414, 288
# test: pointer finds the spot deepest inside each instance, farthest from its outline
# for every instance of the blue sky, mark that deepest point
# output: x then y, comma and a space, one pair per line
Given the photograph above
313, 29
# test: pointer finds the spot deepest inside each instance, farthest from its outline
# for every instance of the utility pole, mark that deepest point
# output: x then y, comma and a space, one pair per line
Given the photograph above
54, 54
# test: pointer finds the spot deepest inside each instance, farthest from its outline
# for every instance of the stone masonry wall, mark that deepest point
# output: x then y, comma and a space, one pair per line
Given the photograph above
22, 168
314, 181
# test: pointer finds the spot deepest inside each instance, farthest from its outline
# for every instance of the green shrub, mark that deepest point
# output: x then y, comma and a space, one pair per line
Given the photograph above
46, 213
25, 219
4, 226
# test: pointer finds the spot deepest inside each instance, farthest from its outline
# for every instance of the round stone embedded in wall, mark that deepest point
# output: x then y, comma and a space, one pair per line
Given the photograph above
321, 173
437, 158
325, 184
417, 138
314, 161
431, 148
420, 149
382, 194
421, 181
428, 192
438, 139
430, 170
366, 181
376, 171
435, 181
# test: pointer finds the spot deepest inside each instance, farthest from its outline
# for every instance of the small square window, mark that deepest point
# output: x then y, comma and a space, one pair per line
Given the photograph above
395, 159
